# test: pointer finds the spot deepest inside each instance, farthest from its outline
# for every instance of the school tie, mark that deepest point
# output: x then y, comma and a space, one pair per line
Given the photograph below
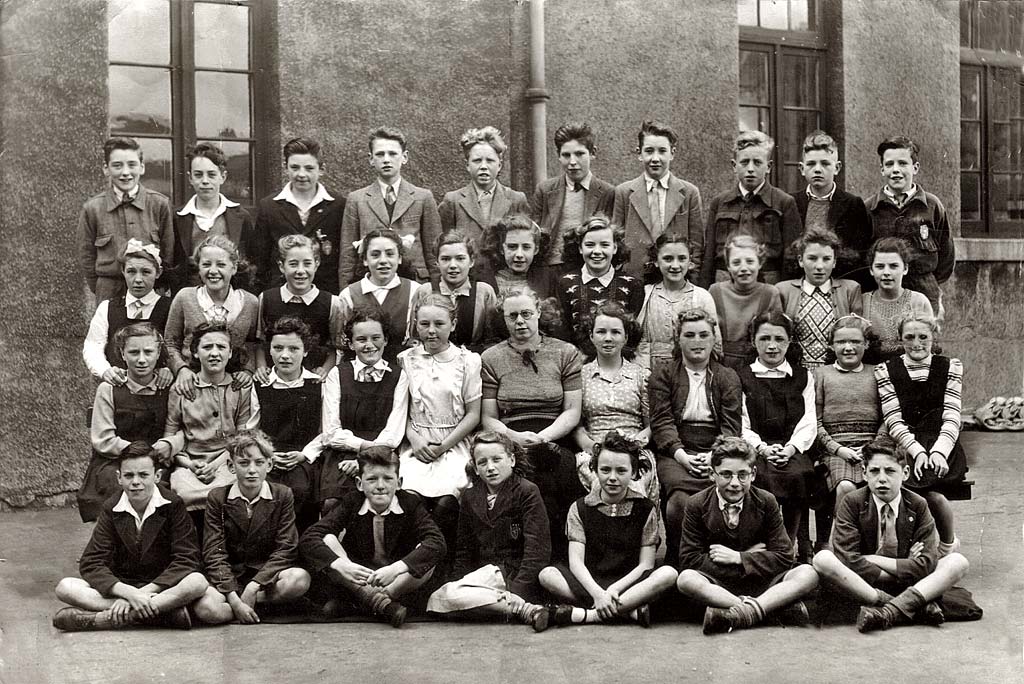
296, 300
380, 556
485, 200
654, 202
888, 545
126, 200
732, 515
577, 186
389, 200
137, 307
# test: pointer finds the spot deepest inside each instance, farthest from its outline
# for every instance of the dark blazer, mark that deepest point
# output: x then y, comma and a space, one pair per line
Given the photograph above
235, 544
683, 214
848, 218
515, 535
668, 388
845, 293
549, 196
163, 552
415, 213
277, 218
240, 230
856, 536
760, 523
459, 209
413, 536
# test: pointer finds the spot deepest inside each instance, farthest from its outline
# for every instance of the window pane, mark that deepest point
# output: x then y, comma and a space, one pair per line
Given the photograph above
753, 77
795, 127
799, 18
222, 36
999, 26
775, 14
755, 119
1005, 93
140, 100
1007, 197
970, 196
222, 105
970, 145
965, 23
1000, 147
238, 186
970, 88
800, 81
159, 167
792, 182
139, 31
746, 12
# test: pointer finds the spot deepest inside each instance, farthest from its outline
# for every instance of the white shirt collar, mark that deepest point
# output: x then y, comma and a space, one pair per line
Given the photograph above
809, 289
383, 187
202, 220
132, 194
274, 380
321, 195
148, 299
136, 388
895, 504
307, 299
722, 503
605, 279
368, 286
747, 193
358, 365
123, 505
232, 304
393, 507
236, 493
911, 191
571, 184
782, 369
663, 182
839, 368
480, 193
827, 197
461, 290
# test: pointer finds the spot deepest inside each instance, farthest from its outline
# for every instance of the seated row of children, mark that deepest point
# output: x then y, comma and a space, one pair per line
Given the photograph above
645, 208
143, 564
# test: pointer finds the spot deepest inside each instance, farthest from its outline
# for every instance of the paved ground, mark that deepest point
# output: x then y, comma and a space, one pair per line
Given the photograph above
38, 548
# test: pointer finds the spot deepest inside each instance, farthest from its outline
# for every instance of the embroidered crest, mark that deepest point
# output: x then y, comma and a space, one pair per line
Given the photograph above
515, 530
326, 248
924, 231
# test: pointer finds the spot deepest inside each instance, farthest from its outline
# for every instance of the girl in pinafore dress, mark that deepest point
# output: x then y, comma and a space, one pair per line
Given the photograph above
891, 302
444, 408
742, 298
664, 300
920, 394
613, 536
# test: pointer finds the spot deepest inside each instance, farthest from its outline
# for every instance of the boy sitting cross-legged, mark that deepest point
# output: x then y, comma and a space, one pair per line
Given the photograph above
141, 565
377, 544
735, 555
885, 543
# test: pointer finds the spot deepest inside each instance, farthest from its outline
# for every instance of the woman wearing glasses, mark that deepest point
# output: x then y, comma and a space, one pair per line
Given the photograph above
693, 400
532, 392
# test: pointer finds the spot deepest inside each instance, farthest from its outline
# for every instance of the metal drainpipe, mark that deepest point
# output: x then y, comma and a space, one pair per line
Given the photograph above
537, 95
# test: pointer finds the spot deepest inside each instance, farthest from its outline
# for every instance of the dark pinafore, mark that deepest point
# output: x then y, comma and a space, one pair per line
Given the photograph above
317, 315
291, 418
136, 417
465, 308
921, 405
364, 408
396, 311
775, 406
117, 318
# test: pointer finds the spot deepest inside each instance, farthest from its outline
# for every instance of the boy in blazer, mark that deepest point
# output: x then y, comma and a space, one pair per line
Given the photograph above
824, 205
390, 202
885, 543
209, 213
305, 207
377, 544
141, 565
574, 196
735, 545
250, 544
657, 202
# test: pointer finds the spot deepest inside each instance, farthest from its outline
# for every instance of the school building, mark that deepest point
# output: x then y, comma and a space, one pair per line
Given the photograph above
252, 74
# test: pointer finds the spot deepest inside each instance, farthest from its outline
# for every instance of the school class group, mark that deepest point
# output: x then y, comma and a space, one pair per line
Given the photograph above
378, 406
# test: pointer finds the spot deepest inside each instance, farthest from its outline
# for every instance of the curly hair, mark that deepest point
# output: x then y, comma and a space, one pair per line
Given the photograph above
290, 242
745, 242
488, 135
629, 325
690, 316
816, 236
366, 313
493, 239
205, 328
652, 273
455, 237
573, 240
618, 442
731, 447
243, 439
521, 467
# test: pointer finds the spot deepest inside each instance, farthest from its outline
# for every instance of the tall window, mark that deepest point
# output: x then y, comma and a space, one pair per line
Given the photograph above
991, 119
781, 61
181, 71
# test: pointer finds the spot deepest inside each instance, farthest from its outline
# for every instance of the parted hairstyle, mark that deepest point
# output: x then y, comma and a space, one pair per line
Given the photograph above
121, 143
816, 236
632, 329
455, 237
744, 241
522, 467
884, 445
732, 447
301, 145
656, 128
387, 133
295, 241
889, 245
208, 150
924, 318
856, 322
898, 142
747, 139
819, 140
365, 313
221, 242
573, 240
488, 135
440, 301
549, 312
385, 233
616, 441
139, 330
651, 270
139, 449
205, 328
493, 239
243, 439
793, 353
378, 455
694, 315
580, 132
286, 325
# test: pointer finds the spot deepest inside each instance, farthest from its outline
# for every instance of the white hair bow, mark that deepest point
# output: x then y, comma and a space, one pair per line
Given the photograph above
135, 246
407, 241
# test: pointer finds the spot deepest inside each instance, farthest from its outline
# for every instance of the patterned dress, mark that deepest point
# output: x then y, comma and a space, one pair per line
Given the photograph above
657, 319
